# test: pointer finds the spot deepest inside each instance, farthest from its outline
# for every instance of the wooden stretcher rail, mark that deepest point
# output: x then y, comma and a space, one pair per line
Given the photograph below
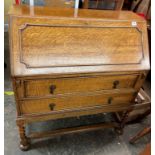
73, 130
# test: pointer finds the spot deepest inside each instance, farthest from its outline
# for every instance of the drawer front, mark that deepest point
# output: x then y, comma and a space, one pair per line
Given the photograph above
44, 88
74, 102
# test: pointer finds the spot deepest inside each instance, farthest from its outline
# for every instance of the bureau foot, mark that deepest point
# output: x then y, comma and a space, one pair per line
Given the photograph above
24, 147
24, 141
119, 131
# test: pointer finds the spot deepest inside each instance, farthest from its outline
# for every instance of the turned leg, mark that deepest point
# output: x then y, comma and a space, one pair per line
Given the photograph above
119, 129
124, 118
24, 141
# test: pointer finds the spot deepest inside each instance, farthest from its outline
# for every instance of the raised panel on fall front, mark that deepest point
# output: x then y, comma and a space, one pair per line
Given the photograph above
79, 46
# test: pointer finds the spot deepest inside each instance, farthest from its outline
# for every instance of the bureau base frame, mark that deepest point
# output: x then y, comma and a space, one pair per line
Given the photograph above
25, 140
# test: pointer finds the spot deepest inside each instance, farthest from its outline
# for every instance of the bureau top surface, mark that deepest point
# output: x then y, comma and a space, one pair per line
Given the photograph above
76, 42
23, 10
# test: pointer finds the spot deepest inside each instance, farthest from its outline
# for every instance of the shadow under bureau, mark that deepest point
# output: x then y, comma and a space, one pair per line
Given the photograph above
69, 63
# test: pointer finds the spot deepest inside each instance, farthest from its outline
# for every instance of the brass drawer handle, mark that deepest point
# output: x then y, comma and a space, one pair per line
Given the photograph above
52, 88
110, 100
115, 84
51, 106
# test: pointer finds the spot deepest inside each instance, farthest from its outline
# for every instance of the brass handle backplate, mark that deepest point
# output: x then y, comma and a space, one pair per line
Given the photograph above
51, 106
52, 88
115, 84
110, 100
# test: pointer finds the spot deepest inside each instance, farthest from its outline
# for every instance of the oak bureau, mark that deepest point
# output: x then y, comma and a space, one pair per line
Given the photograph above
69, 63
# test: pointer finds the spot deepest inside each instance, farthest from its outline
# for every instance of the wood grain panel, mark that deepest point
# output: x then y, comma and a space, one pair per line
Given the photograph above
75, 102
100, 46
80, 46
42, 87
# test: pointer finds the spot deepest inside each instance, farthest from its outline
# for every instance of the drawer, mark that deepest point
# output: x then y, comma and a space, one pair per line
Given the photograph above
49, 87
75, 102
